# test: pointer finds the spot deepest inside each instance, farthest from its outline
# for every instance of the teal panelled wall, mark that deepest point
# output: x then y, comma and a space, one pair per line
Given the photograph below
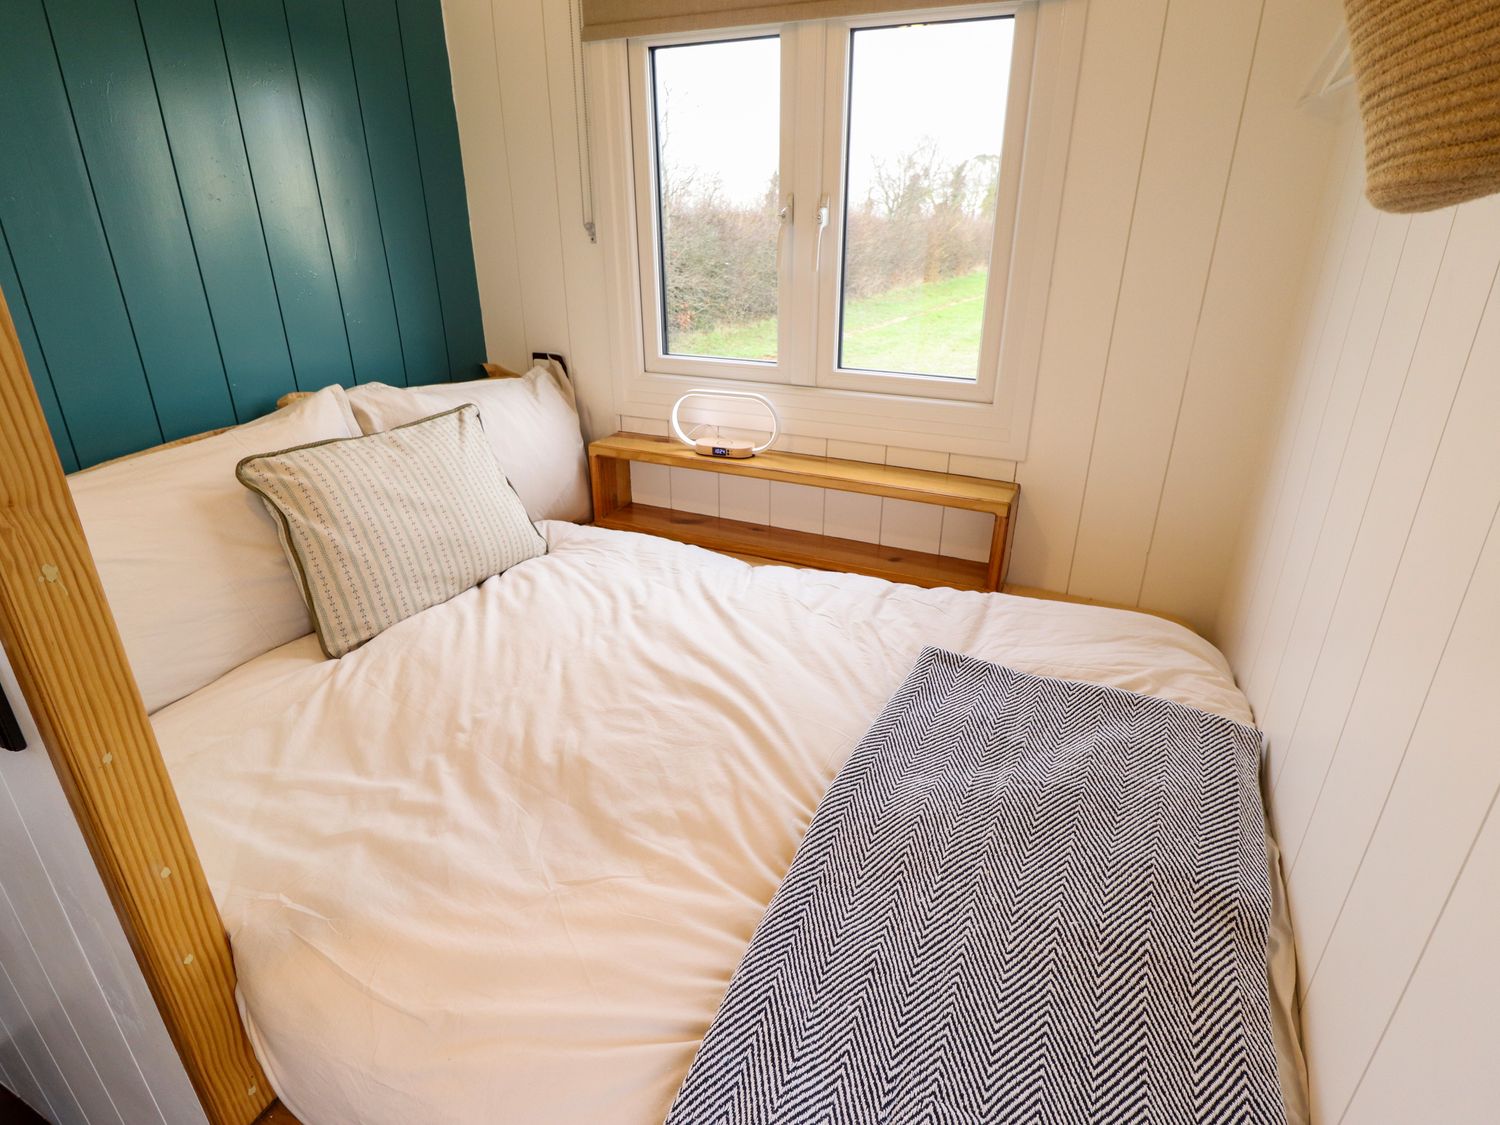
205, 205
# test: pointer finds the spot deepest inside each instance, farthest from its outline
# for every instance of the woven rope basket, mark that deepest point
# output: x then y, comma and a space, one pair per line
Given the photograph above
1429, 91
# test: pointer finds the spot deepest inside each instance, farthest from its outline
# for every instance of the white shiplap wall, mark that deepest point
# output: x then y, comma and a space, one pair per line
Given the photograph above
80, 1037
1364, 623
1189, 201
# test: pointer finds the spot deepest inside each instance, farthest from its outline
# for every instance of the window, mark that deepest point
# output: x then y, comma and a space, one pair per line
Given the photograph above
826, 203
716, 119
859, 211
920, 191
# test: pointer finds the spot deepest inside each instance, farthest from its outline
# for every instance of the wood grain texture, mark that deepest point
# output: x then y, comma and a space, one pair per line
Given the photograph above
730, 510
277, 1114
56, 627
921, 485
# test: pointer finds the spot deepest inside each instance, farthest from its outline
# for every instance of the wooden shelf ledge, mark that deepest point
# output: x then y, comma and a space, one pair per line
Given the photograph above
798, 548
609, 467
947, 489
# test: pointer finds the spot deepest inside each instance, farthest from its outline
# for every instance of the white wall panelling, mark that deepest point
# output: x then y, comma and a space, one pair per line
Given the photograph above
1188, 203
1362, 621
80, 1038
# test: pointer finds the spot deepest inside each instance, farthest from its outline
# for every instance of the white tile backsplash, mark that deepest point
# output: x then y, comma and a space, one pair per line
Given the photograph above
990, 468
932, 460
744, 498
797, 507
695, 491
911, 526
650, 484
967, 535
851, 515
856, 451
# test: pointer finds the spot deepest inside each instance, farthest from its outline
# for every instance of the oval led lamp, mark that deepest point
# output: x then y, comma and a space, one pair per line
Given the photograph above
715, 445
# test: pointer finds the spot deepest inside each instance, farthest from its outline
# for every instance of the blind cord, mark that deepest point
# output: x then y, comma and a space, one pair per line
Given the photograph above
583, 119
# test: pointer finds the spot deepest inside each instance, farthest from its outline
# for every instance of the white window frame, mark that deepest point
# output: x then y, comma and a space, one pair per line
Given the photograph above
648, 217
987, 417
835, 181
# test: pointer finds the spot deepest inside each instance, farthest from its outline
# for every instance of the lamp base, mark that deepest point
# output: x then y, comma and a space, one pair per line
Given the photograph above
723, 447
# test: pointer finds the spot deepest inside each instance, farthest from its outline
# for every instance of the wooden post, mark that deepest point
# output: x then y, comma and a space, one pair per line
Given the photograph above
61, 639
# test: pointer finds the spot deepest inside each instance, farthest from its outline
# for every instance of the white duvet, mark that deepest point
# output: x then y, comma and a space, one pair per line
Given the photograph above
499, 864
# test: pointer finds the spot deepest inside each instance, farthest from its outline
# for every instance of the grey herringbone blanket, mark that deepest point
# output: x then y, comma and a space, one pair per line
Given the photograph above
1021, 900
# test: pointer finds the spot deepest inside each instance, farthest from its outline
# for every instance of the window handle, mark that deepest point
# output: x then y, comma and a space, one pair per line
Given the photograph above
822, 226
784, 216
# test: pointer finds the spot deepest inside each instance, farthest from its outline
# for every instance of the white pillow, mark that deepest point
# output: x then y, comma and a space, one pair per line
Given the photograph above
190, 560
381, 527
530, 422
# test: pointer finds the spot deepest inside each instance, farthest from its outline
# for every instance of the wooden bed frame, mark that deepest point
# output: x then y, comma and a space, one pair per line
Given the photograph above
57, 630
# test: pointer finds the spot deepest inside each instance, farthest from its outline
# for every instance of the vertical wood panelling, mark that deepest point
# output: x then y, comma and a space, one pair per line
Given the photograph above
1416, 620
583, 267
41, 376
27, 1060
520, 50
1433, 805
1388, 368
119, 125
213, 175
1232, 393
259, 50
1320, 358
1122, 46
430, 89
1363, 626
482, 127
48, 1018
1241, 605
60, 911
1203, 76
1415, 1075
1350, 365
380, 73
207, 205
1302, 748
346, 189
58, 245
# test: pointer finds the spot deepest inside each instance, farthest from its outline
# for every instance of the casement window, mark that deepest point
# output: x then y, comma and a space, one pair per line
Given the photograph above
835, 207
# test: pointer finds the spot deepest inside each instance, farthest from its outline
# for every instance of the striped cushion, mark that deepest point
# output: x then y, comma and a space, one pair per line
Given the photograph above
379, 528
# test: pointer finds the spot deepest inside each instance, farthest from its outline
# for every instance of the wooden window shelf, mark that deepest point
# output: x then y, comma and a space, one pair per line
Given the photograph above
609, 465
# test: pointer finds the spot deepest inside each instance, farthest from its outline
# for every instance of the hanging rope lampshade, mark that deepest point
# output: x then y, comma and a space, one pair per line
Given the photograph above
1429, 92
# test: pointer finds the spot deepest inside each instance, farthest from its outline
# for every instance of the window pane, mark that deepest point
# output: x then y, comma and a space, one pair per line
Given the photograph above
926, 120
718, 118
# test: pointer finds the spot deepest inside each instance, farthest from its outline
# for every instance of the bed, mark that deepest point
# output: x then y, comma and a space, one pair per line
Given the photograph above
500, 862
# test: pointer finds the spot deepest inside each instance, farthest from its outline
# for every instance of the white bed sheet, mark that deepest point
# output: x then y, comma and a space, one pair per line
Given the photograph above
498, 865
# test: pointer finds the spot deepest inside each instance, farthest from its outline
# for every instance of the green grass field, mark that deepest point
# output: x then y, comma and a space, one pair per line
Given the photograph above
931, 329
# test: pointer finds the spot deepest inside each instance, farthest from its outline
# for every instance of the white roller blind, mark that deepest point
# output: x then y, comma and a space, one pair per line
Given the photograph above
620, 19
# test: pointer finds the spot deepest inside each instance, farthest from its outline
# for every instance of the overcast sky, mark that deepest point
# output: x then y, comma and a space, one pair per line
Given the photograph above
946, 82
